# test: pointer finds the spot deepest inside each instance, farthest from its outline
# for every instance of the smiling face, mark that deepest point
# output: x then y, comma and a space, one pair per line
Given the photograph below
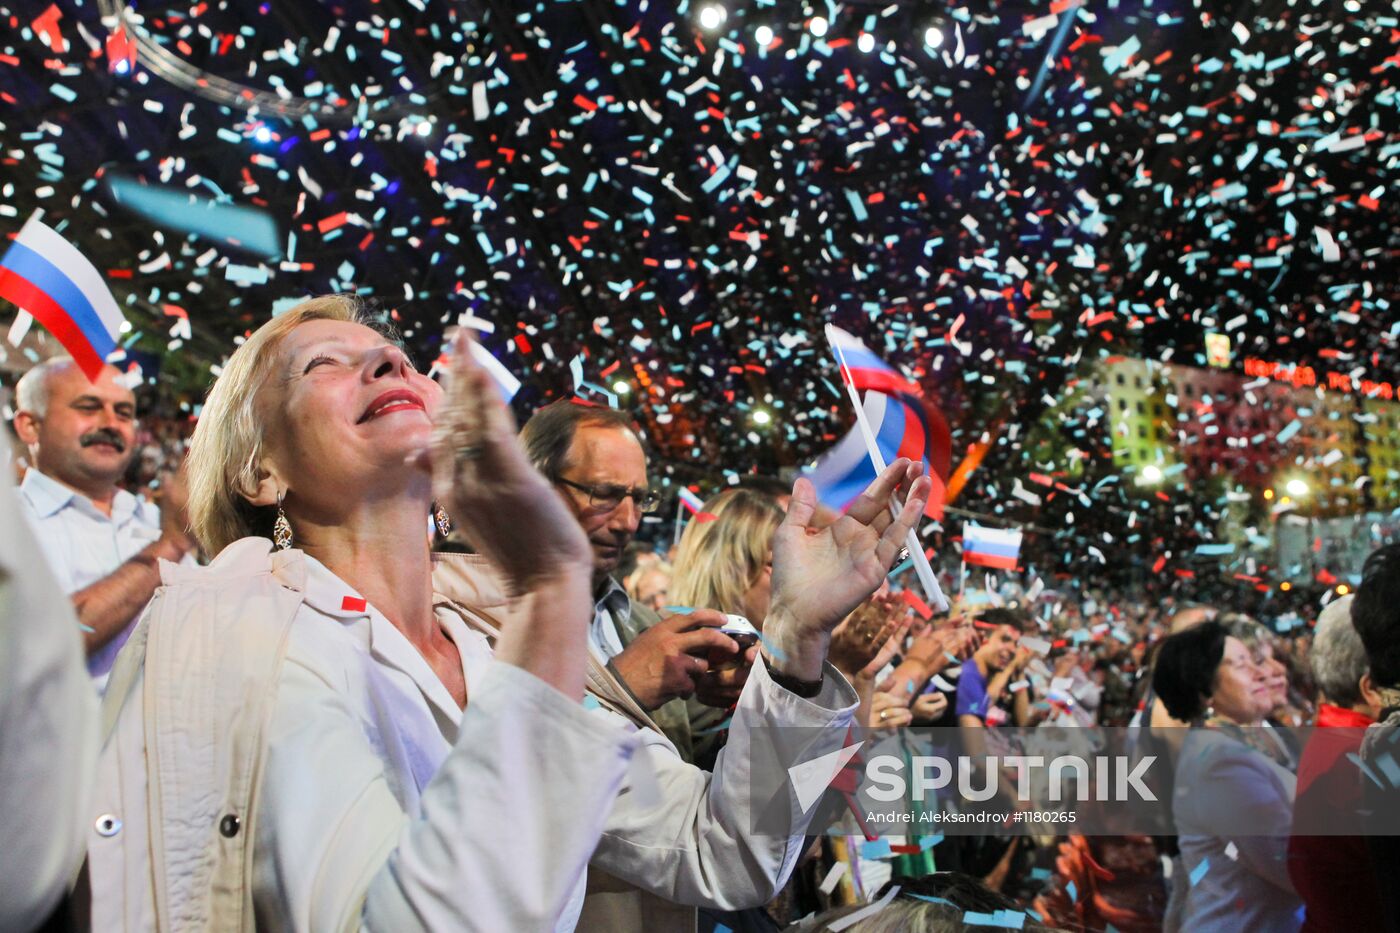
1275, 675
1242, 692
344, 408
999, 648
86, 434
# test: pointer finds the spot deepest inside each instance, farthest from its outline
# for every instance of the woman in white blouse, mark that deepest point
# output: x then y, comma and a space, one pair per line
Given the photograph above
305, 736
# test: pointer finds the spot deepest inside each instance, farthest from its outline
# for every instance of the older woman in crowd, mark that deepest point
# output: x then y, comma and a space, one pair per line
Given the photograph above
1327, 856
305, 735
1233, 797
1266, 653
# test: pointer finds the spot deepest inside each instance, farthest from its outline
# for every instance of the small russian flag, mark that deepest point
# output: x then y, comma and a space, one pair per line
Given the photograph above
505, 380
46, 276
991, 547
903, 422
694, 505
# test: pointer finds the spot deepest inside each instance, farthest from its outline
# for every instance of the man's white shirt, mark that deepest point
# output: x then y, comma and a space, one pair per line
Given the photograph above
82, 545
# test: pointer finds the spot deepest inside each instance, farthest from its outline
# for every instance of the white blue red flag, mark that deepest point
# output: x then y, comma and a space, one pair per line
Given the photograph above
694, 505
46, 275
505, 379
903, 422
998, 548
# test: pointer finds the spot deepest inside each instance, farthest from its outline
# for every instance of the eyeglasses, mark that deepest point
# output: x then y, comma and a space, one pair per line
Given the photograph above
607, 496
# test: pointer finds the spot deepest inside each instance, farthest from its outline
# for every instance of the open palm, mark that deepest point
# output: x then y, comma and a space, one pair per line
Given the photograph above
820, 575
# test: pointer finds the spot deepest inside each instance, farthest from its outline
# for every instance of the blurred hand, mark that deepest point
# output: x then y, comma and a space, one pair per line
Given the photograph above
887, 712
1064, 664
506, 509
667, 660
720, 687
820, 575
865, 635
928, 707
173, 497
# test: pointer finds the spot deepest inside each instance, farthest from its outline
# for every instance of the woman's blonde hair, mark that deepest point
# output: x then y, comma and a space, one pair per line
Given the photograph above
718, 560
227, 447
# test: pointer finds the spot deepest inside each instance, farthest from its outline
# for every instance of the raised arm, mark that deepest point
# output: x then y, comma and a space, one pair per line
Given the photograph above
695, 841
514, 517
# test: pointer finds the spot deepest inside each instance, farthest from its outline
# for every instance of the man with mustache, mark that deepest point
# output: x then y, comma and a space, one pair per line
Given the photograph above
102, 542
594, 458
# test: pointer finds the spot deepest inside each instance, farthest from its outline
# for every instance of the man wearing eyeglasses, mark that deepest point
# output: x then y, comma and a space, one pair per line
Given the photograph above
593, 456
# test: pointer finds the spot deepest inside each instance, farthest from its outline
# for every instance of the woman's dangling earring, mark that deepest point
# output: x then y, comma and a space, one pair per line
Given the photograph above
444, 523
281, 529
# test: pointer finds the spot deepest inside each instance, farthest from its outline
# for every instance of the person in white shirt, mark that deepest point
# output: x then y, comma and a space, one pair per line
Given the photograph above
48, 727
101, 541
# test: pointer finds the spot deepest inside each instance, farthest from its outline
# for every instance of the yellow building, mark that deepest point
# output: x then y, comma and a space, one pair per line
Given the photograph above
1381, 426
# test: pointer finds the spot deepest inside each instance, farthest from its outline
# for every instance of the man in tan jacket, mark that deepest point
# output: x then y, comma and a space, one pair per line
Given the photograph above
595, 460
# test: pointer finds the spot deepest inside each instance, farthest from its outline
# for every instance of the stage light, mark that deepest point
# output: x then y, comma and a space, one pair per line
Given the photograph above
1151, 473
425, 128
262, 135
763, 35
1268, 494
761, 417
621, 387
933, 37
1285, 586
866, 42
1343, 589
121, 67
712, 16
818, 26
1297, 488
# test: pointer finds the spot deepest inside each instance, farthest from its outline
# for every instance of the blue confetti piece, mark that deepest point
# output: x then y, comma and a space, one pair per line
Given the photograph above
1116, 58
928, 842
769, 647
1199, 872
878, 849
857, 205
1073, 892
589, 702
1389, 768
931, 899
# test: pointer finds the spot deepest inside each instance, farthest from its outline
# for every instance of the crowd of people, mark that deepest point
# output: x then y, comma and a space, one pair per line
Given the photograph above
369, 657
